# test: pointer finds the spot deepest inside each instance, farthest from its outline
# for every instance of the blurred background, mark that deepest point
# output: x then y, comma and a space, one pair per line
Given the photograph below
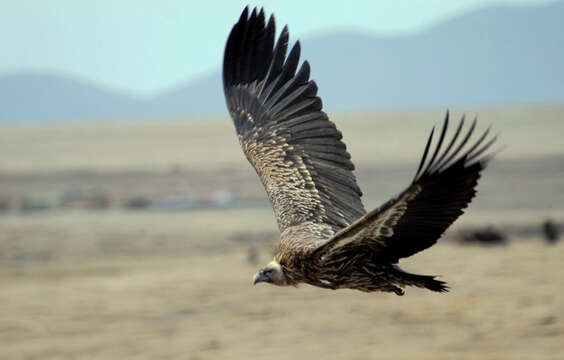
131, 223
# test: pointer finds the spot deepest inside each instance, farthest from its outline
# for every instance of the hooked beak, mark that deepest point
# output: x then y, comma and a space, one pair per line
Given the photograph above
258, 278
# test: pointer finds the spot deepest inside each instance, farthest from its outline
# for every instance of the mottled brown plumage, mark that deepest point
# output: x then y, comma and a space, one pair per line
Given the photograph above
327, 238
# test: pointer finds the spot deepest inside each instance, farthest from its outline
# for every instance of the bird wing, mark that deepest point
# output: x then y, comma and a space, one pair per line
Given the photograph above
417, 217
296, 151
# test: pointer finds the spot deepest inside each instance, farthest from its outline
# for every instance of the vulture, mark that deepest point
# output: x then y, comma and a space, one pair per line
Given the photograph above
327, 239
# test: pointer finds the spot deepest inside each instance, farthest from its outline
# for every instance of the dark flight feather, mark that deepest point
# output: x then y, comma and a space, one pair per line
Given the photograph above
289, 140
443, 186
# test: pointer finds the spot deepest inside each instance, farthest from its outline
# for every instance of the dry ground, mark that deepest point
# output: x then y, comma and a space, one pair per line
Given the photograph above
375, 138
176, 285
118, 287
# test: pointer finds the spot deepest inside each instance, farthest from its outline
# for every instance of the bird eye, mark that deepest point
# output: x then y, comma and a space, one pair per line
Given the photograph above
268, 272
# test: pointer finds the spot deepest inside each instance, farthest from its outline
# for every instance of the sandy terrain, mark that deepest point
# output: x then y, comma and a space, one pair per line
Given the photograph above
381, 137
118, 284
167, 286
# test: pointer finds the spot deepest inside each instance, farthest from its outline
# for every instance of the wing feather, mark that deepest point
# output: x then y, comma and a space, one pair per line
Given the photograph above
296, 151
414, 220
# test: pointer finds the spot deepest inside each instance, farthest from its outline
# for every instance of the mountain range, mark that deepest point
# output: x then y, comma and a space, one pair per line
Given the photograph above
494, 56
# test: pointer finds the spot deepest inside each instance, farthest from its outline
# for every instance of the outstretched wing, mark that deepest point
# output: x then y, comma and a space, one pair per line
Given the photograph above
296, 151
442, 187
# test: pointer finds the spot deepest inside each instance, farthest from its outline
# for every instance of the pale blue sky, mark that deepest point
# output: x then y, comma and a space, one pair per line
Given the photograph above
146, 46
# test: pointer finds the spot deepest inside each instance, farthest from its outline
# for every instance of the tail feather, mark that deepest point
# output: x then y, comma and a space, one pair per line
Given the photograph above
422, 281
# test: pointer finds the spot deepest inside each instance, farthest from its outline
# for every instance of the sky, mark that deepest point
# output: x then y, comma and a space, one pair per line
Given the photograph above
143, 47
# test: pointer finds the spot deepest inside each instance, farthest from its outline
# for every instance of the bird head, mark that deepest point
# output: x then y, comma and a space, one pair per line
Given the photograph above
271, 273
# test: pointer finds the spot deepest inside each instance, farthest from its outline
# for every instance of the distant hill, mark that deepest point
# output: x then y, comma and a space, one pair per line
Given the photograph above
495, 56
36, 97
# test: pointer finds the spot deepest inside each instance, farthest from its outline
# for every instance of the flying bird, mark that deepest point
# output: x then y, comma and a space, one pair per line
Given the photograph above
327, 239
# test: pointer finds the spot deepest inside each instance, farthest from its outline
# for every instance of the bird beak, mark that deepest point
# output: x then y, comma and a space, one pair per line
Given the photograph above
257, 278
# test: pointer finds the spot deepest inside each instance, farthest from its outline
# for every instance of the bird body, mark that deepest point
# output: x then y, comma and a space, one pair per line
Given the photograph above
327, 239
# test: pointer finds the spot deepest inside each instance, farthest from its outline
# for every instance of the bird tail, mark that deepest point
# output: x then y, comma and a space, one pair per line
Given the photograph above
422, 281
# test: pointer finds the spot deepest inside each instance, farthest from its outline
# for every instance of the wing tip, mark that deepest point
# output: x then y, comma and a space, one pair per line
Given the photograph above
464, 154
247, 41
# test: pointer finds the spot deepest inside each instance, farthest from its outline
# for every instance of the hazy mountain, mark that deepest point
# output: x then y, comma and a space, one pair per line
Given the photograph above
36, 97
499, 55
494, 56
201, 97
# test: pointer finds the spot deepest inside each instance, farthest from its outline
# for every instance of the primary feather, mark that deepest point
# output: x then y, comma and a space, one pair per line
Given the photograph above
442, 187
296, 151
327, 238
